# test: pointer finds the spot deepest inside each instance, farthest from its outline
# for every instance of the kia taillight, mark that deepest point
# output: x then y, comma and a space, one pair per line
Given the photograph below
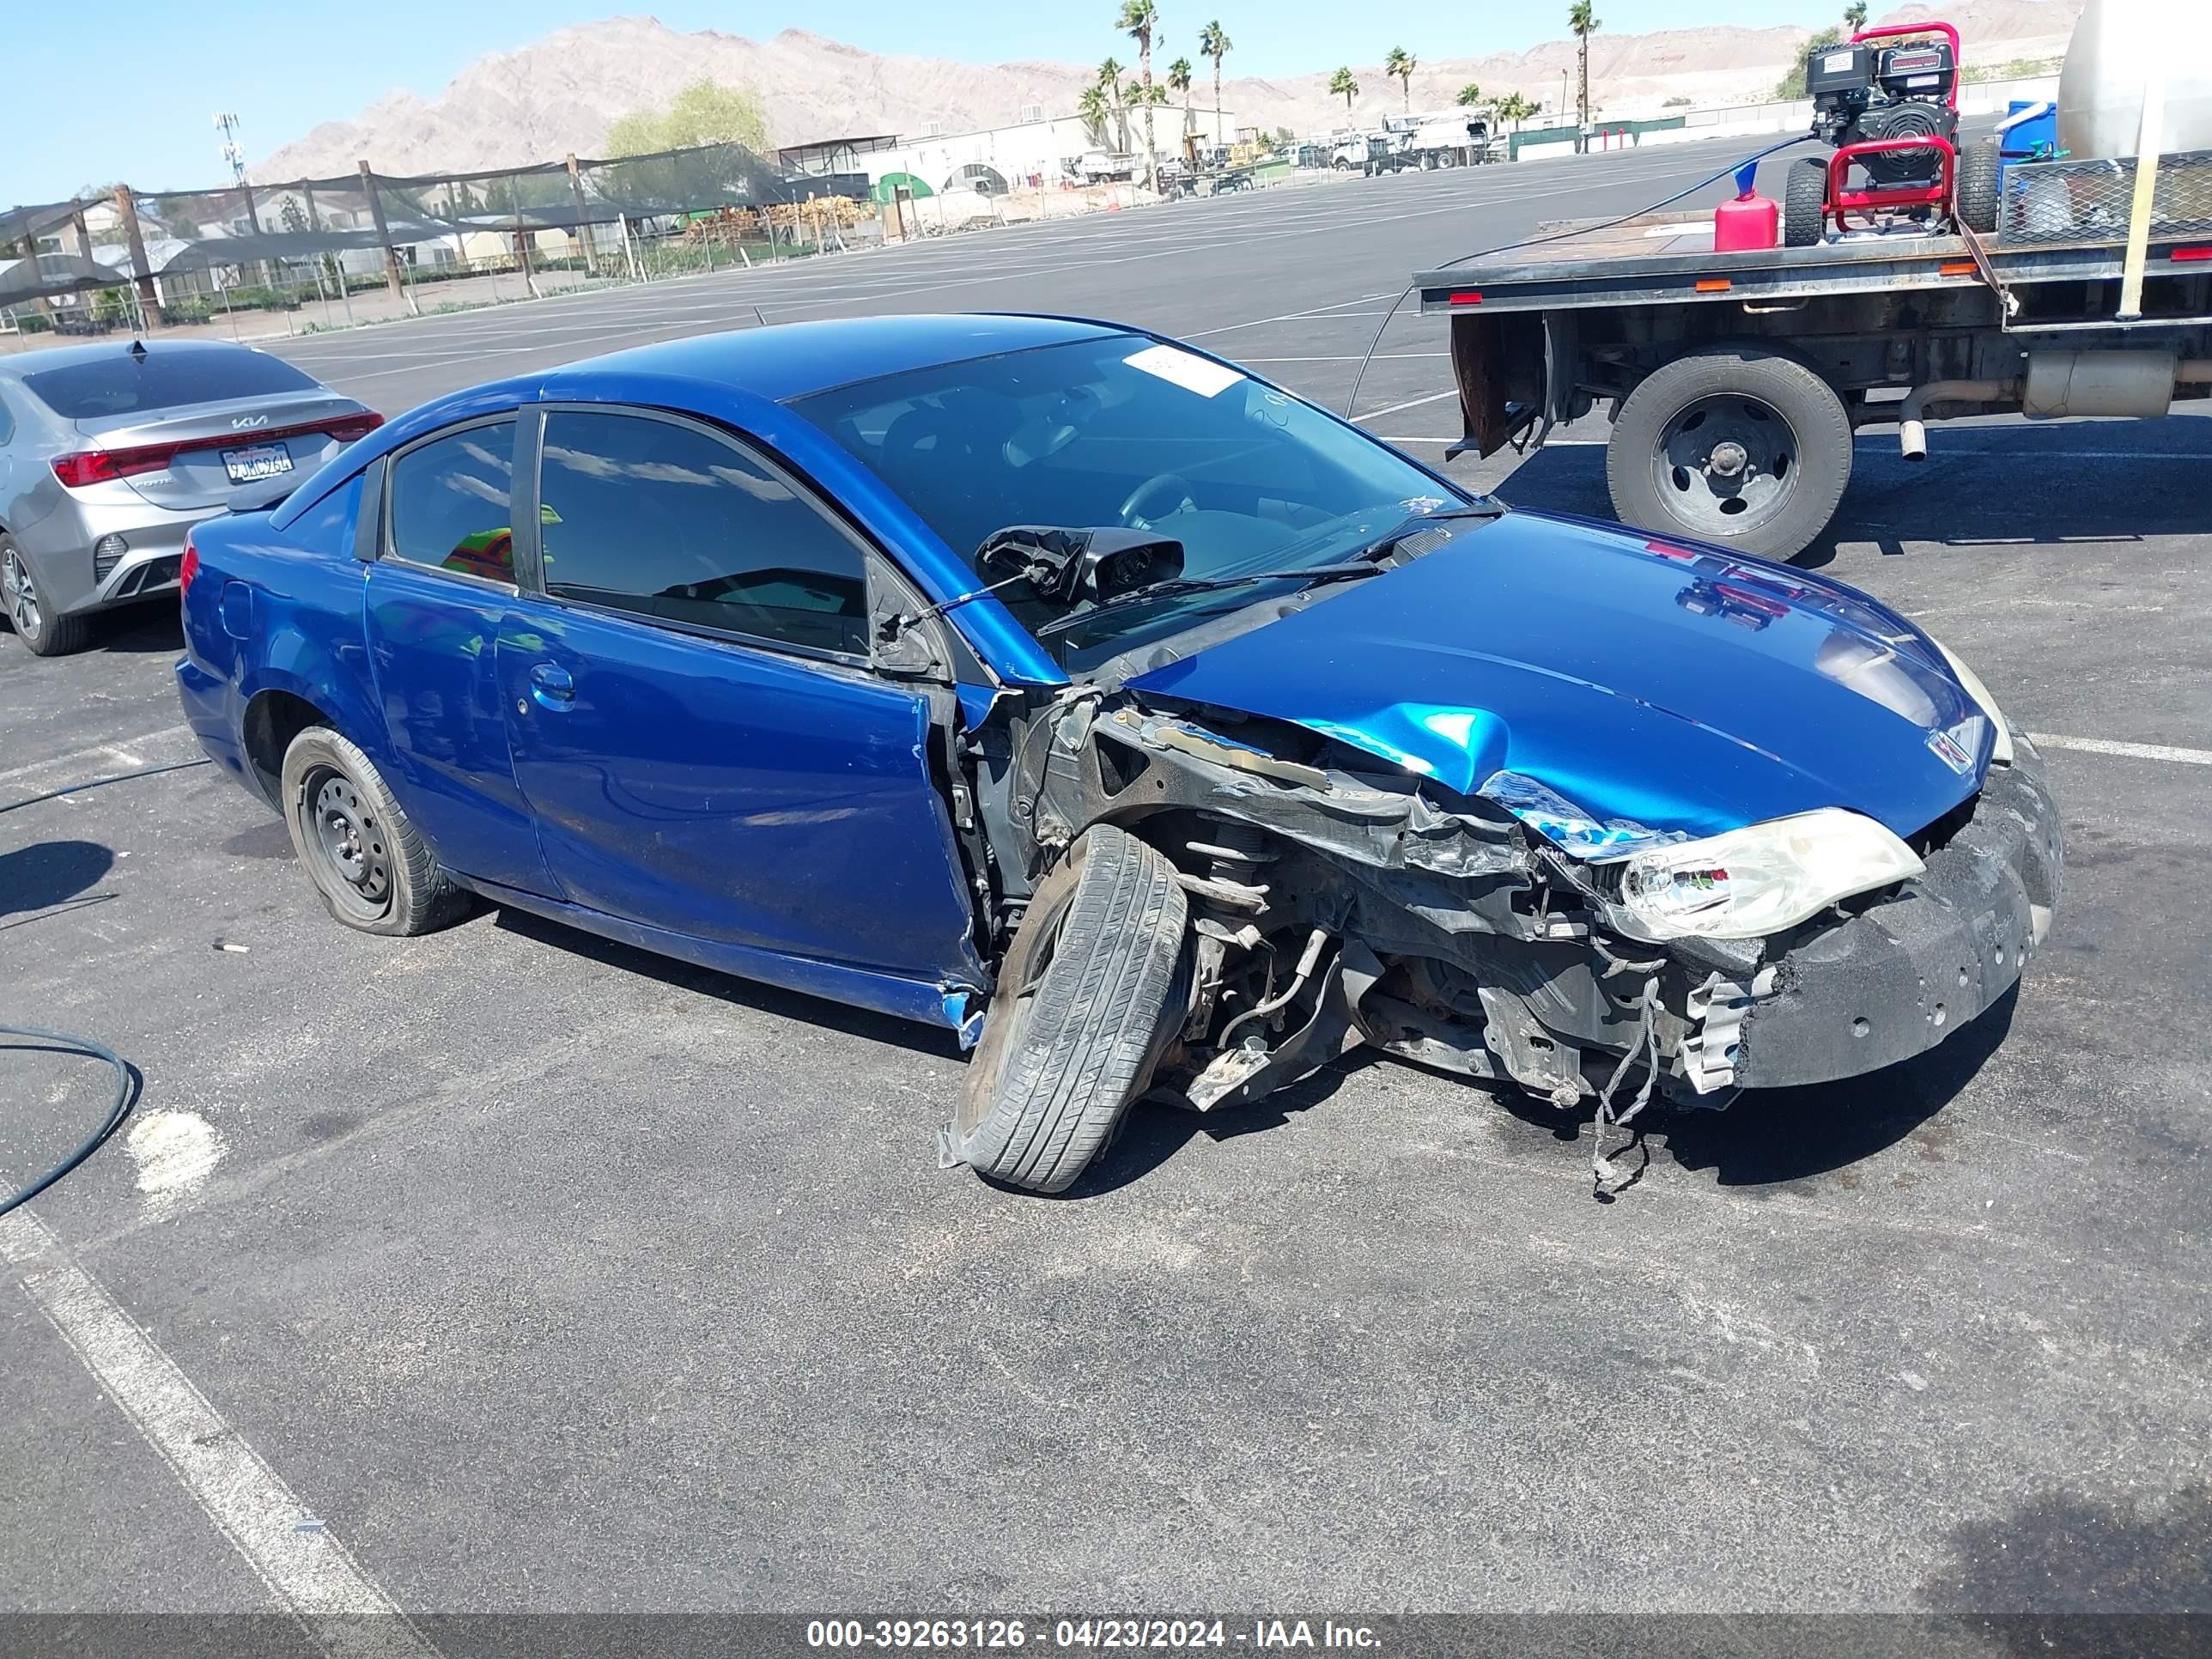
93, 467
355, 427
187, 567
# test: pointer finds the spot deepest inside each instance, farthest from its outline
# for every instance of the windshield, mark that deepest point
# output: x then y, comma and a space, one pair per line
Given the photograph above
1120, 431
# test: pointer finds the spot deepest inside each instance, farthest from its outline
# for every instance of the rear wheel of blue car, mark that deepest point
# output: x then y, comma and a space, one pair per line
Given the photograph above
371, 869
1092, 988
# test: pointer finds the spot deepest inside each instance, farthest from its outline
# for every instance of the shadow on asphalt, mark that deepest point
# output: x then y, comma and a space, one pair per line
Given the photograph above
1768, 1137
745, 993
50, 872
2001, 485
2069, 1553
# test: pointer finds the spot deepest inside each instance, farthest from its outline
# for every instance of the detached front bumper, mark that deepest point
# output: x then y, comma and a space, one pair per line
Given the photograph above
1898, 977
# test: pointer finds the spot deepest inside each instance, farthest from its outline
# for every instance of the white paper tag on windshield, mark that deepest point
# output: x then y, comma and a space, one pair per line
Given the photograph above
1193, 374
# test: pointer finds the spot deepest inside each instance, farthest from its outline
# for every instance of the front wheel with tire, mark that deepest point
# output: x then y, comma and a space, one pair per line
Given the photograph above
1093, 988
370, 868
36, 623
1738, 445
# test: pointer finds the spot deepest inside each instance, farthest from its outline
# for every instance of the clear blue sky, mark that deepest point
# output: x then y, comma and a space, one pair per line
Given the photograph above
130, 98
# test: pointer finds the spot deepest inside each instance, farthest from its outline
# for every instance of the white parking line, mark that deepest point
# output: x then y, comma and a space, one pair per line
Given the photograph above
2156, 751
75, 763
1411, 403
291, 1551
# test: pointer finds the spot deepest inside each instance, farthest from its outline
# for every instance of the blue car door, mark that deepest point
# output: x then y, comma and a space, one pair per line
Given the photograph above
693, 716
438, 590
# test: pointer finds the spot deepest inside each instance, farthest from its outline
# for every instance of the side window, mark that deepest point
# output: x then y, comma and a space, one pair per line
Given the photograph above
7, 422
451, 503
668, 521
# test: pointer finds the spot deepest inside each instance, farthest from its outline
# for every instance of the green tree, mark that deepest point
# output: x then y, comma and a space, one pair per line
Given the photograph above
1400, 64
1792, 85
1179, 79
1109, 77
1094, 111
1341, 85
1585, 24
704, 112
1855, 14
1137, 19
1213, 42
1470, 96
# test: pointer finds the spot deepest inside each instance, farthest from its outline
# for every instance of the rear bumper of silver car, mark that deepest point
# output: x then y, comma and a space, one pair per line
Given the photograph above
75, 577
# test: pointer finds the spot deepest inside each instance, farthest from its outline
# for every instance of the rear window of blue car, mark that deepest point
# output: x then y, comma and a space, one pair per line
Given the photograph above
128, 385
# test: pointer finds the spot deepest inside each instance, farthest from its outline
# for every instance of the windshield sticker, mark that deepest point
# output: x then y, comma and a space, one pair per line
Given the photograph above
1192, 374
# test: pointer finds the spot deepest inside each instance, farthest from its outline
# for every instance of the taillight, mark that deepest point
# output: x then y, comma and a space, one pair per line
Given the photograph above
353, 428
187, 567
93, 467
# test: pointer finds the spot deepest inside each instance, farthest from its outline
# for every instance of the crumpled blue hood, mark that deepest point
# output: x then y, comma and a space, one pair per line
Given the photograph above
1675, 687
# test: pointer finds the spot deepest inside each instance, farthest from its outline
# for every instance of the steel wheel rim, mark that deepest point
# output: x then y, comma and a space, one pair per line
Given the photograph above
1726, 464
346, 840
22, 599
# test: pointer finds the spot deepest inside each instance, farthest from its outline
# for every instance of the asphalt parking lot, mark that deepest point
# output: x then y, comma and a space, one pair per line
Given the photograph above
532, 1272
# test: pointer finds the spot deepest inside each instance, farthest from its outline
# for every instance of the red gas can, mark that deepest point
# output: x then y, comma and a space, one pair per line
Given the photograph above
1749, 222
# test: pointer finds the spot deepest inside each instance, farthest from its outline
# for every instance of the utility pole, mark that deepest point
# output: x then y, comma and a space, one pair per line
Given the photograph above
384, 240
583, 229
149, 300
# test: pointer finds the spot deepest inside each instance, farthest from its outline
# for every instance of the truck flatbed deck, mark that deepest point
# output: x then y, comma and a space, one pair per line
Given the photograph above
1735, 380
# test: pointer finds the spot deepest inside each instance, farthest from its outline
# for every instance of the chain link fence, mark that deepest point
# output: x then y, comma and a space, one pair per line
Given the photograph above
255, 259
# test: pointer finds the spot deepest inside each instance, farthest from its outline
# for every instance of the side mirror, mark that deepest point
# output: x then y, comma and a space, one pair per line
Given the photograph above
1066, 565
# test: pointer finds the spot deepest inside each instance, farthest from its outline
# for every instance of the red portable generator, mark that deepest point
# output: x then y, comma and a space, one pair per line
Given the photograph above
1892, 112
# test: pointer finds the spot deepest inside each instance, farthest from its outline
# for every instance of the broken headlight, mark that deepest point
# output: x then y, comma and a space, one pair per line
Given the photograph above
2002, 754
1748, 883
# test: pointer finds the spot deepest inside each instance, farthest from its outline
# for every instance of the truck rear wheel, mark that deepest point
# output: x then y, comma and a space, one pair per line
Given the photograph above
1091, 989
1737, 446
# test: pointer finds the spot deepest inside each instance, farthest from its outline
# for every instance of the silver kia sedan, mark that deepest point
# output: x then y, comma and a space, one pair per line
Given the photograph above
109, 453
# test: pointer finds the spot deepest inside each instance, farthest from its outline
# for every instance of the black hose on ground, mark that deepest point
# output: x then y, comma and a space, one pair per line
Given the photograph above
1360, 378
126, 1092
103, 783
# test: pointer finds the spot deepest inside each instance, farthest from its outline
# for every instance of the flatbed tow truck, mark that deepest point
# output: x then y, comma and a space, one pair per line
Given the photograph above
1736, 381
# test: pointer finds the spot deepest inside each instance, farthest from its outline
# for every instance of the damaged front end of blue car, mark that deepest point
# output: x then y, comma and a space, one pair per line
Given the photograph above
1595, 818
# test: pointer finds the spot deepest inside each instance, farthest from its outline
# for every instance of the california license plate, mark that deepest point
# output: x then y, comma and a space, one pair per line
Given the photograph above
256, 462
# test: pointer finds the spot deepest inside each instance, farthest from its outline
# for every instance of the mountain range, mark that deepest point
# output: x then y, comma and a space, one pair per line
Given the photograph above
559, 94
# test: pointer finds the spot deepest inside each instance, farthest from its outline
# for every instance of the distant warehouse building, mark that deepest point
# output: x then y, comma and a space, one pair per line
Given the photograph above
991, 159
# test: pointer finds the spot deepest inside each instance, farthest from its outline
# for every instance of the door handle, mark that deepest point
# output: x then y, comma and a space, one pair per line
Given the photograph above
553, 687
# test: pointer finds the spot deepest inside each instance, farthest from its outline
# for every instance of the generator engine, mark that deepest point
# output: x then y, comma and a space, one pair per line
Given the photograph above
1863, 93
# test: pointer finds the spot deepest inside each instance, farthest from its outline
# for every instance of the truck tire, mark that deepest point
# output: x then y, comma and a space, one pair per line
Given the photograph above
370, 868
47, 633
1738, 446
1091, 989
1805, 202
1981, 172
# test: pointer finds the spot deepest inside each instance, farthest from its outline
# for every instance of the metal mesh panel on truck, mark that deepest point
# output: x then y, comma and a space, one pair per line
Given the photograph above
2055, 202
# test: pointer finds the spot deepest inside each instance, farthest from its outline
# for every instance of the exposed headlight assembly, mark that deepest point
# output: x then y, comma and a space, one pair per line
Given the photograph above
1748, 883
2002, 754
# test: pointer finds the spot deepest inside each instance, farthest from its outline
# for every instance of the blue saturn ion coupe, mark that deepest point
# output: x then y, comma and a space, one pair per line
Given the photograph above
1148, 726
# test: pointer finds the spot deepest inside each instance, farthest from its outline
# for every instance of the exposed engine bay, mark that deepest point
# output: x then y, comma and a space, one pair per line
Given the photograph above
1334, 903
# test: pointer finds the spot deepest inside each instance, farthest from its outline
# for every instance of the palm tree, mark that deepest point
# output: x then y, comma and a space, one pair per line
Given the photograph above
1855, 14
1109, 77
1584, 26
1402, 64
1179, 79
1093, 109
1213, 42
1341, 85
1470, 96
1137, 20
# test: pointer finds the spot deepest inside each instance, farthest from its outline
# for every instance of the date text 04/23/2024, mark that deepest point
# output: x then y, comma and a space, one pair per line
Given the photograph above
1107, 1633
